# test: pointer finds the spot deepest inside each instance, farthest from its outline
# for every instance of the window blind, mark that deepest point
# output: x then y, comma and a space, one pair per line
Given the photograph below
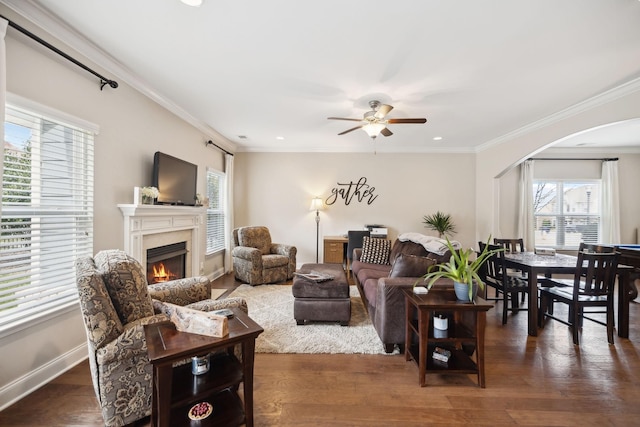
215, 211
47, 214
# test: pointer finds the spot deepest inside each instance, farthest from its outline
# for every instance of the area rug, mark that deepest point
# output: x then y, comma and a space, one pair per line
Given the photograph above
271, 306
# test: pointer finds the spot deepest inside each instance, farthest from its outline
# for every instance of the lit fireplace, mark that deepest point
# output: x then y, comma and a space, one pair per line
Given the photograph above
166, 263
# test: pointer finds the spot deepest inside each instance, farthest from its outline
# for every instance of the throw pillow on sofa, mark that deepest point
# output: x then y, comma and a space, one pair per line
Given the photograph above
410, 266
375, 250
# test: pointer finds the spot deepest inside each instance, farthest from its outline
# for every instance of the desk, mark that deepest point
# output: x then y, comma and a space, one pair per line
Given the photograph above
175, 390
627, 291
534, 265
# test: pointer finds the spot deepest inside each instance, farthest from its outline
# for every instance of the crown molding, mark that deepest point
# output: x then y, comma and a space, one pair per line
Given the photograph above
48, 22
603, 98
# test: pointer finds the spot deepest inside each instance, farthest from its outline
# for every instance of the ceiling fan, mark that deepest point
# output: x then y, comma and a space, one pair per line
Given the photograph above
374, 122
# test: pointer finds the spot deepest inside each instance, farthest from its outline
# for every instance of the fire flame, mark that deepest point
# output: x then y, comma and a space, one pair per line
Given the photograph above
161, 273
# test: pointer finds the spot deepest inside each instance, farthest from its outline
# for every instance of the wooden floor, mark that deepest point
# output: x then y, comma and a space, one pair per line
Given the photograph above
530, 381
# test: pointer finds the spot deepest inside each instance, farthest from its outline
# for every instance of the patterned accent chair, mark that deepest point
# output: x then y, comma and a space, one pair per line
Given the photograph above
116, 303
256, 260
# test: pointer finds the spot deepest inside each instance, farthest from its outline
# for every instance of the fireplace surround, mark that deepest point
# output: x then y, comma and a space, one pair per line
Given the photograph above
151, 226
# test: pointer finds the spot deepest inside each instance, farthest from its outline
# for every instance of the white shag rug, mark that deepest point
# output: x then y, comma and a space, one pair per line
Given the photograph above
271, 306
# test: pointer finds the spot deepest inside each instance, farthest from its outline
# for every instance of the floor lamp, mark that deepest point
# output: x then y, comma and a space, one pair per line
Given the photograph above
317, 205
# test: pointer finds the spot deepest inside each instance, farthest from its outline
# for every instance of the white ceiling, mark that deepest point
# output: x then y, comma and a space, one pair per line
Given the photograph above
477, 70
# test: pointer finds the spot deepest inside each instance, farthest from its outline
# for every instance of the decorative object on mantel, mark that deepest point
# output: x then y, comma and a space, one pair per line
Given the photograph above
149, 195
461, 270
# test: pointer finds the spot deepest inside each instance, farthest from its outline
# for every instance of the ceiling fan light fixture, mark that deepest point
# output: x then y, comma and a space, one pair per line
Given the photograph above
373, 129
194, 3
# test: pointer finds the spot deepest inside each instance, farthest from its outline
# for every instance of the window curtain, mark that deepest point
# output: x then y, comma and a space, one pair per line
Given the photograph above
526, 225
228, 224
3, 93
610, 203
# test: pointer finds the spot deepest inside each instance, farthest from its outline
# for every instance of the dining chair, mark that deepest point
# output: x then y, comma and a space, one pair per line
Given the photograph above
510, 245
507, 285
593, 285
513, 246
354, 241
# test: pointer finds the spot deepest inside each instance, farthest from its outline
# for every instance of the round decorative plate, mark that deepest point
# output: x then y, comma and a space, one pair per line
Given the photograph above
200, 411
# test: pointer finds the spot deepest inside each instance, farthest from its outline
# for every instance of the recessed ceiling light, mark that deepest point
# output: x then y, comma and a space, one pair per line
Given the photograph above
194, 3
280, 138
437, 138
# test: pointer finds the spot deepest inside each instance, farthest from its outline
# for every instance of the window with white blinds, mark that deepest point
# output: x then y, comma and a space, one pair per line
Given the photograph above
215, 211
47, 214
567, 212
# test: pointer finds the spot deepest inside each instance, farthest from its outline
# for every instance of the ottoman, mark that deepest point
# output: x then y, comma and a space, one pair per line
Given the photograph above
327, 301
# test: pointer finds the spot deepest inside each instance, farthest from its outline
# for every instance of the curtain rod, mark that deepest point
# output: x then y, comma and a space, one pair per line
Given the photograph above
218, 147
103, 80
605, 159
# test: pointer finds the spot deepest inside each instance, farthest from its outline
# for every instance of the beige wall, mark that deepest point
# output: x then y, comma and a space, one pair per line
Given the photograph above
275, 189
132, 128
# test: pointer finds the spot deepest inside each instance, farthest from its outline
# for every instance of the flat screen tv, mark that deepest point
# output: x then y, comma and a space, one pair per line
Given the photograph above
175, 179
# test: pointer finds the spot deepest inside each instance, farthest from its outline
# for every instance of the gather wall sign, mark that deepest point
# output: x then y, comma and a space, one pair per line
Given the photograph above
348, 191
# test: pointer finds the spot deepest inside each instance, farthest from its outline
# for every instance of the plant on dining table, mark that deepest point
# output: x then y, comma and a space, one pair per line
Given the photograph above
460, 268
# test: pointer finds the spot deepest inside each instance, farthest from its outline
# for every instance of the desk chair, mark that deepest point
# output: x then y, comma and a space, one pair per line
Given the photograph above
355, 238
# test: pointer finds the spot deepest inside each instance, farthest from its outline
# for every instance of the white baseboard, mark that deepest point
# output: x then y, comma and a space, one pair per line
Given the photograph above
216, 274
21, 387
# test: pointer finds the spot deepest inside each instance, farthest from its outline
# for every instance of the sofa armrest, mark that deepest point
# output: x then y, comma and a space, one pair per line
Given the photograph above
247, 253
130, 343
282, 249
182, 291
391, 313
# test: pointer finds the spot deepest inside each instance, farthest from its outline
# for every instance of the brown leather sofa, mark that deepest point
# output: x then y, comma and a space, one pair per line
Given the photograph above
380, 286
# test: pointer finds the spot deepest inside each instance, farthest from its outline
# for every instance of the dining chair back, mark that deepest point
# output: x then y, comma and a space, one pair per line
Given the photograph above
507, 284
510, 245
593, 285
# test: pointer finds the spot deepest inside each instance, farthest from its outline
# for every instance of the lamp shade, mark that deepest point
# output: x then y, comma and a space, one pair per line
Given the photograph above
316, 204
373, 129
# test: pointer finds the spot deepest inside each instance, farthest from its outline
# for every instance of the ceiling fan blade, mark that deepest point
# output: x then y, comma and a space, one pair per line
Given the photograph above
350, 130
386, 132
382, 111
344, 118
406, 121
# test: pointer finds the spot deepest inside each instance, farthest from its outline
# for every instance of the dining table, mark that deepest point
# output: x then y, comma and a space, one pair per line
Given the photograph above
534, 265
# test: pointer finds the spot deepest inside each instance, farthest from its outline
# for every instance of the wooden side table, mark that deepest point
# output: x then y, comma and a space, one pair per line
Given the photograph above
334, 249
466, 323
176, 390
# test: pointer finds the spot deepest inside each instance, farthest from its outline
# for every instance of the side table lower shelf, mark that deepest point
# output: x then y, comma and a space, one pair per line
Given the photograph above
227, 410
459, 362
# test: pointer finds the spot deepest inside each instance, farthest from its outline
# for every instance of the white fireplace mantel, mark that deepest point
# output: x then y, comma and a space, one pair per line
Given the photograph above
143, 221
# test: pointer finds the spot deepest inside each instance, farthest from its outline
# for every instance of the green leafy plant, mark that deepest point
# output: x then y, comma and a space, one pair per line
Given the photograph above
460, 267
440, 222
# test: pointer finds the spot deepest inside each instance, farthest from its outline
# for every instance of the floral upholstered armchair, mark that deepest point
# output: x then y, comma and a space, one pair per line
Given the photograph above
116, 303
256, 260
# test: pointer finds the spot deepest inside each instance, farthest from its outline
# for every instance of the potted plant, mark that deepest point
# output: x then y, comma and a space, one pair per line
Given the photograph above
461, 269
440, 222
